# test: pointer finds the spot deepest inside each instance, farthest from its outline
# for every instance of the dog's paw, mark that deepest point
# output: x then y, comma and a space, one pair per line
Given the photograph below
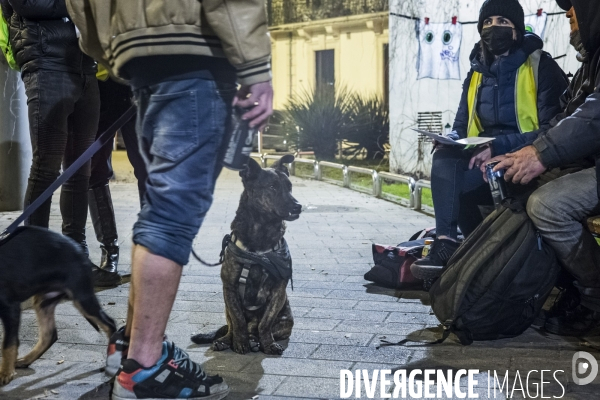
241, 346
254, 344
22, 363
273, 348
6, 377
219, 346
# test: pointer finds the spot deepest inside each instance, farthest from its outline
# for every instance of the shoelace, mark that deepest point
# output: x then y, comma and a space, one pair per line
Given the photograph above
440, 249
182, 360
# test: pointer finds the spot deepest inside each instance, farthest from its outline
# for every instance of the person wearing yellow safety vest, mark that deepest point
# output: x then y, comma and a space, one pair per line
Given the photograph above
512, 90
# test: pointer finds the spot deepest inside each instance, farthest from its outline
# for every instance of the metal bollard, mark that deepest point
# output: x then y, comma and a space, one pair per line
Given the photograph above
376, 184
317, 170
346, 175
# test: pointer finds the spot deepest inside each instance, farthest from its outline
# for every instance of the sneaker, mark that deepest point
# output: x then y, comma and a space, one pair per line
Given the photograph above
174, 376
578, 322
104, 278
118, 345
432, 266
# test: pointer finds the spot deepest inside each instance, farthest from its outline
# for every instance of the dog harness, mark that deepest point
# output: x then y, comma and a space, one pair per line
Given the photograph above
277, 263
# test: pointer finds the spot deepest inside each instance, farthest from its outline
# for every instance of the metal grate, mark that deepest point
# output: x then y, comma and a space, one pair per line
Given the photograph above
430, 121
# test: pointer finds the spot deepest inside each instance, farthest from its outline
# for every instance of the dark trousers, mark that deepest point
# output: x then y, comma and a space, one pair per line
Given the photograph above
63, 117
115, 99
457, 192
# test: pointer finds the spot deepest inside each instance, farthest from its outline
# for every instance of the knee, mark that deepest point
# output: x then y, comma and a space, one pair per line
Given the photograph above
539, 209
444, 157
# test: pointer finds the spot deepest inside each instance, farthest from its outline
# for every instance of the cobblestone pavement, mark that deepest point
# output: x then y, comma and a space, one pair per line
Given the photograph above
339, 317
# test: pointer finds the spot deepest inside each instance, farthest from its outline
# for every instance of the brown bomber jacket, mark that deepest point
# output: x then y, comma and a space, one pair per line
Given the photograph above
114, 32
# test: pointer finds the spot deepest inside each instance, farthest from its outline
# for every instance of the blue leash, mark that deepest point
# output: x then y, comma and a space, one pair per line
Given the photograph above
69, 172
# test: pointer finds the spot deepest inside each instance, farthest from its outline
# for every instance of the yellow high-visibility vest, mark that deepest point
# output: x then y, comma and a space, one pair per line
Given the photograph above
102, 74
526, 84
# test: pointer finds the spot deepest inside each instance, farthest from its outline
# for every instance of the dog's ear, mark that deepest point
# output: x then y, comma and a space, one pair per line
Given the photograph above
280, 164
252, 170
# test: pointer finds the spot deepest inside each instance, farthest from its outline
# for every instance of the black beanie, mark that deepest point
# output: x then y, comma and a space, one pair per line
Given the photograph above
510, 9
564, 4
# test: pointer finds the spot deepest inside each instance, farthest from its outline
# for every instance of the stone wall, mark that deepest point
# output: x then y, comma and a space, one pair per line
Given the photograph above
291, 11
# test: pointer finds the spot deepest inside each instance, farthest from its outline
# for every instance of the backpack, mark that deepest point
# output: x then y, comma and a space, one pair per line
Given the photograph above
497, 281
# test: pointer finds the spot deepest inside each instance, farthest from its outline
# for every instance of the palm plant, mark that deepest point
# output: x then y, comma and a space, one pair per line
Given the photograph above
370, 127
318, 119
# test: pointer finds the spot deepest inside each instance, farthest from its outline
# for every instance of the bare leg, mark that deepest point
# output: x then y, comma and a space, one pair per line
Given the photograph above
156, 280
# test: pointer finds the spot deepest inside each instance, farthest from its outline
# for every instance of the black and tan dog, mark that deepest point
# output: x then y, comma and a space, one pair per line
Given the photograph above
48, 266
257, 264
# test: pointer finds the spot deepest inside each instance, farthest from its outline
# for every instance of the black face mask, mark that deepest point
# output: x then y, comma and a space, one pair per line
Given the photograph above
498, 39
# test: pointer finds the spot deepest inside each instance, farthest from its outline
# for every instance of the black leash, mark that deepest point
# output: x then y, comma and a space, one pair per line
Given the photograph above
224, 244
93, 149
197, 257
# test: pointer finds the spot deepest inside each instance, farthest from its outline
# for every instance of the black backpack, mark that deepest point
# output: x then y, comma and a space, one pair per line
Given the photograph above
497, 281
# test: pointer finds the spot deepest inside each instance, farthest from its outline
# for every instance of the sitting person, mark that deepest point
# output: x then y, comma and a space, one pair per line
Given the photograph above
495, 103
559, 208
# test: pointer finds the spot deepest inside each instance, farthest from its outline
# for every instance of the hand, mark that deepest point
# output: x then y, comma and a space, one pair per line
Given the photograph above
259, 99
521, 167
482, 166
481, 158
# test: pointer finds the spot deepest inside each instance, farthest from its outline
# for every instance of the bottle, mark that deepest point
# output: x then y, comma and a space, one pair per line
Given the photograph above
240, 141
428, 243
497, 183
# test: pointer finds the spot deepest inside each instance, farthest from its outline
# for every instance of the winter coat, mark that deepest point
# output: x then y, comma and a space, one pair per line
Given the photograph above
496, 97
43, 37
236, 30
575, 134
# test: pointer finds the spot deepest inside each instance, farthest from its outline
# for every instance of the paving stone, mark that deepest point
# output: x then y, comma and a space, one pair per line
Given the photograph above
349, 315
320, 388
386, 355
316, 323
298, 367
330, 337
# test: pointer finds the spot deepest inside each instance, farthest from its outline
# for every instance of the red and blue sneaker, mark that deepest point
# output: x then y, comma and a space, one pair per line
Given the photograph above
117, 351
174, 376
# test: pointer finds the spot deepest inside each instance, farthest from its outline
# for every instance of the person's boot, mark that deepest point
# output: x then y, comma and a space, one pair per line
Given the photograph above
577, 322
432, 266
105, 226
565, 303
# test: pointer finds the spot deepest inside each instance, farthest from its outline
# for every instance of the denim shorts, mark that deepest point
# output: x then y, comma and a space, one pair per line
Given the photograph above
181, 125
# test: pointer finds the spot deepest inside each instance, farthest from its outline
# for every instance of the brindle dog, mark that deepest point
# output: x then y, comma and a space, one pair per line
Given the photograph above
48, 266
258, 227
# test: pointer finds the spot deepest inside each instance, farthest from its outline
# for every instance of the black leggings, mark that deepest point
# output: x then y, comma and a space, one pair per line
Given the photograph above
115, 99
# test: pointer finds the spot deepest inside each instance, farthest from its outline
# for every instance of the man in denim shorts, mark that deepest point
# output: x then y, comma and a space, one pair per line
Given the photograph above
183, 59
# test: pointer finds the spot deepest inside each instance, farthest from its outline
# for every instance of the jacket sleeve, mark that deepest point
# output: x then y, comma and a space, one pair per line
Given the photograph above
552, 84
574, 138
242, 27
461, 121
40, 9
